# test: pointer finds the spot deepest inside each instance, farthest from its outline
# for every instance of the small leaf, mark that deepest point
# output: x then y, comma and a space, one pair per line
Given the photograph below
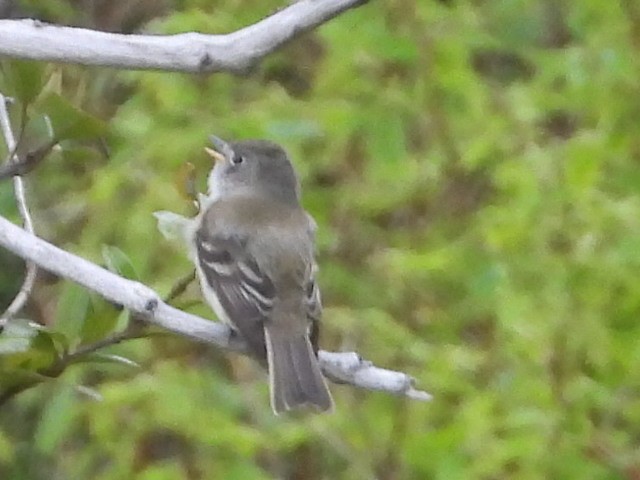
56, 420
122, 321
68, 121
109, 358
17, 336
41, 354
118, 262
72, 310
25, 79
60, 341
11, 376
43, 351
90, 392
102, 322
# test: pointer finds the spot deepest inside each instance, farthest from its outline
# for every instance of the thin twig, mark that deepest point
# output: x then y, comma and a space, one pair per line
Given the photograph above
134, 330
180, 286
18, 186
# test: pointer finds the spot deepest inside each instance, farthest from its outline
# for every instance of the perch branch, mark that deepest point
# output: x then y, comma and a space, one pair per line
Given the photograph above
344, 367
186, 52
18, 187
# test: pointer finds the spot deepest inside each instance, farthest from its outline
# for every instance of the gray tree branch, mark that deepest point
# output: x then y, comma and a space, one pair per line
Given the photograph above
343, 367
186, 52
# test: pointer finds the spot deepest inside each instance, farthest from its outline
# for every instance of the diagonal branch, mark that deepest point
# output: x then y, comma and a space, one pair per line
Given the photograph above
344, 367
187, 52
18, 186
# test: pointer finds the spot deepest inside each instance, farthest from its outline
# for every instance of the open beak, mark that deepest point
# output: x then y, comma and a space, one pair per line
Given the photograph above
217, 157
221, 150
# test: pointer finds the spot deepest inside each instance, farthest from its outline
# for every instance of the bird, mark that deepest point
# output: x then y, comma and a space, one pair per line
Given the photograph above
254, 254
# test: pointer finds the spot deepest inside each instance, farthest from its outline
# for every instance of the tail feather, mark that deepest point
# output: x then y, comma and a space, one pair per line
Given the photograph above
294, 373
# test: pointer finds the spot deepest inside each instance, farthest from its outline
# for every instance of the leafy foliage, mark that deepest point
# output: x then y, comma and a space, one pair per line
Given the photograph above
473, 167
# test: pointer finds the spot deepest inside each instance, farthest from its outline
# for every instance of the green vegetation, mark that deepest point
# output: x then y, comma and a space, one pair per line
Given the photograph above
474, 168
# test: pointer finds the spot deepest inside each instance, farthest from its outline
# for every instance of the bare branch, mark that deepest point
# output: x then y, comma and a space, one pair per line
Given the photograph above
187, 52
344, 367
18, 186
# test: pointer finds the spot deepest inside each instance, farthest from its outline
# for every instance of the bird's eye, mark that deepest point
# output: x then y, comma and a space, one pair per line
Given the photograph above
237, 159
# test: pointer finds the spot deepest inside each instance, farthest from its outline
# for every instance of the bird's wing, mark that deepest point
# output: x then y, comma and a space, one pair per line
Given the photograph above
313, 302
313, 307
243, 291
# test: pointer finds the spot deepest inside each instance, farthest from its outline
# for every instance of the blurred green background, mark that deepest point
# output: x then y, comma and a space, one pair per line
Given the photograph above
474, 168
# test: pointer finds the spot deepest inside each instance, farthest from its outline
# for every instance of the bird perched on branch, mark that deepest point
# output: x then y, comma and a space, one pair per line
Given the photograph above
254, 254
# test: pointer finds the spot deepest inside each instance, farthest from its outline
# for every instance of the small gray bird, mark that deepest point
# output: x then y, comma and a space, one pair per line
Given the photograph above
255, 261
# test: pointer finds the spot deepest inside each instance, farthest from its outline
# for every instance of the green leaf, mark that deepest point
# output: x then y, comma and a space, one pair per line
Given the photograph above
56, 420
25, 79
11, 376
102, 321
122, 321
68, 121
17, 336
72, 310
60, 341
118, 262
40, 354
89, 392
109, 358
43, 352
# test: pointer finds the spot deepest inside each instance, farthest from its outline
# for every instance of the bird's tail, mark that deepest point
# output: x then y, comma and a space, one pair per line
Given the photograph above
294, 373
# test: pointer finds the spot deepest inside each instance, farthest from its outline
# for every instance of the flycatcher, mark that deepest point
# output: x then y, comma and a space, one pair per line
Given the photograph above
255, 261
